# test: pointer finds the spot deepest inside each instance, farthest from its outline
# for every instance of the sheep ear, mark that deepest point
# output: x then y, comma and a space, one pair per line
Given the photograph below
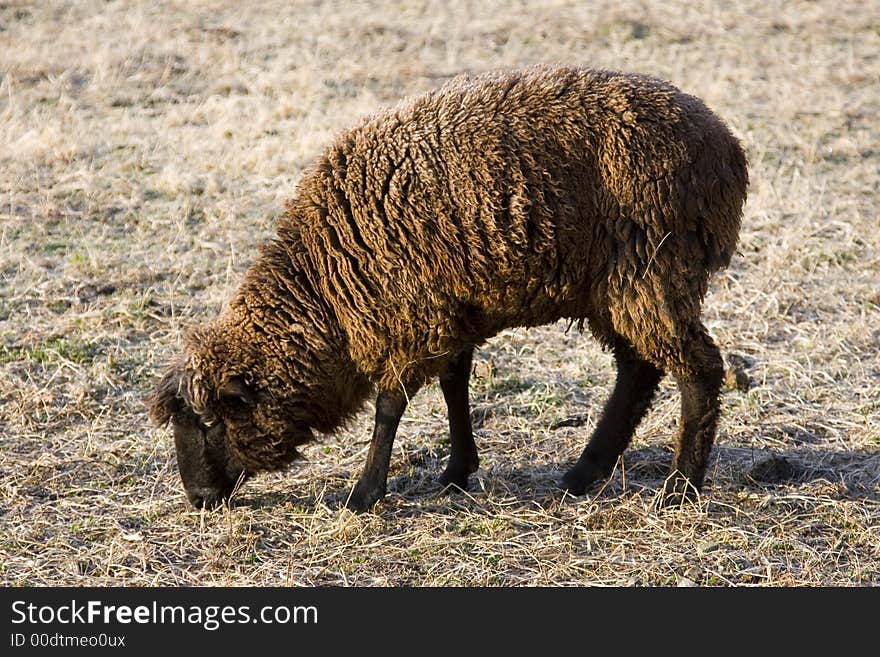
236, 391
165, 399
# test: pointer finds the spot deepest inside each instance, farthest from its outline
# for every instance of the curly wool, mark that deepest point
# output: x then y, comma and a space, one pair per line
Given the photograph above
506, 199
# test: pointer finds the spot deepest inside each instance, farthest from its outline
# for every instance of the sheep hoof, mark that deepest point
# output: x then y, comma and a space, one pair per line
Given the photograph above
454, 481
455, 476
573, 483
364, 496
677, 492
577, 480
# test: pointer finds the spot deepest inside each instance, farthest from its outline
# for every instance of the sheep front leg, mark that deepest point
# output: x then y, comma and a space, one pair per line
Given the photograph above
370, 488
463, 458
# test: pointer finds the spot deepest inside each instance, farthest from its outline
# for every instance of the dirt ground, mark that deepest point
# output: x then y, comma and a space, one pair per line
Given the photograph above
146, 149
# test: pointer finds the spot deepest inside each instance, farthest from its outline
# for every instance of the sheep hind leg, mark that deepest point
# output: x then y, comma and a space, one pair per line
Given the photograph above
699, 379
370, 488
463, 458
637, 381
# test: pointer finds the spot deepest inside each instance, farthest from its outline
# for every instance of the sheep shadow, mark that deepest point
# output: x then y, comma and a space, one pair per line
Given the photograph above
268, 499
857, 475
856, 472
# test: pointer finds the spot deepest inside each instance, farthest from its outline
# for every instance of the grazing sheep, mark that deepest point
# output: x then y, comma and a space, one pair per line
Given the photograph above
507, 199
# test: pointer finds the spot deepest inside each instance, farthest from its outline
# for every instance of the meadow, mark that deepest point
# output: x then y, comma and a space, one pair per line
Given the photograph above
146, 150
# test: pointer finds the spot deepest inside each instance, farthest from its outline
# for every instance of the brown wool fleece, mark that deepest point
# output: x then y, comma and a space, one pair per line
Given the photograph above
507, 199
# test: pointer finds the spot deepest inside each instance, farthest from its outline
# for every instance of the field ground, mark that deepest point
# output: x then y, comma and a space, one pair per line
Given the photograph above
146, 149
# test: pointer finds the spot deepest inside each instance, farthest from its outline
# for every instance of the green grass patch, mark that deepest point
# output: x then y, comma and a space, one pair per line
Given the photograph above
51, 351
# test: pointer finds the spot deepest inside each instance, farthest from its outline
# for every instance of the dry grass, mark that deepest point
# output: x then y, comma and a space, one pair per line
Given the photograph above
145, 149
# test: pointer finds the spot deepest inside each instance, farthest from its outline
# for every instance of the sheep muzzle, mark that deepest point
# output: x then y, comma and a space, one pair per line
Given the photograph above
209, 472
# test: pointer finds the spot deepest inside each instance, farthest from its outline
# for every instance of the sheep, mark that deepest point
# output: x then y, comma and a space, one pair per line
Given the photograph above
507, 199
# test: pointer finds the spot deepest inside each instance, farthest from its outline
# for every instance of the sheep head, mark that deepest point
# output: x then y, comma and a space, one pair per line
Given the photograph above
228, 421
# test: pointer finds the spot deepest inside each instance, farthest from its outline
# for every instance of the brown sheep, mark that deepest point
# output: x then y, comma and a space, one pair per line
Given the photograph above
507, 199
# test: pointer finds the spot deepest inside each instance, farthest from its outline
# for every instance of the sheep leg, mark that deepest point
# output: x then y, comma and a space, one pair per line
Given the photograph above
637, 380
700, 385
370, 488
463, 458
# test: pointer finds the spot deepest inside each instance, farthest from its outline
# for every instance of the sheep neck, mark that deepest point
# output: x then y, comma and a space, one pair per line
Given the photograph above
296, 338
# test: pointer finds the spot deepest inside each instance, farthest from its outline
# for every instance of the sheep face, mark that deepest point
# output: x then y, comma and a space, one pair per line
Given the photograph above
208, 470
223, 434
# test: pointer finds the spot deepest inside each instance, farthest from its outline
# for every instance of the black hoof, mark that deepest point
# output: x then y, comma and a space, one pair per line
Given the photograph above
582, 476
363, 497
454, 479
574, 483
455, 476
678, 491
